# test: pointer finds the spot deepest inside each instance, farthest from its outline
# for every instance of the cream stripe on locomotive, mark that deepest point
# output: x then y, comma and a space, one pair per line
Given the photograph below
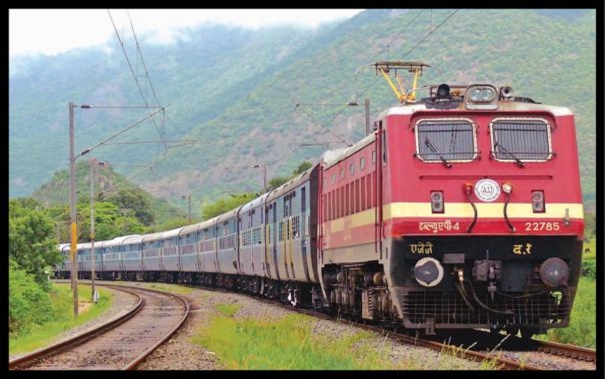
484, 210
462, 210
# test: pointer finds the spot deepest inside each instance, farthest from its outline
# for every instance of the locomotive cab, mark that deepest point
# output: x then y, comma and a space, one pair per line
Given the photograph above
475, 216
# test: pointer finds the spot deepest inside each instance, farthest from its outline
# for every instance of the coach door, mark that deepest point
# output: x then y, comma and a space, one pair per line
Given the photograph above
303, 231
274, 239
268, 242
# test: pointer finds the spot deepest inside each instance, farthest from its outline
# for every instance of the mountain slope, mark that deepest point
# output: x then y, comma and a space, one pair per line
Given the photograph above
272, 96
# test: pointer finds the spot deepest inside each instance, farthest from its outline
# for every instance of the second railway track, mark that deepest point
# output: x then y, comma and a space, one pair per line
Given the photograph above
120, 344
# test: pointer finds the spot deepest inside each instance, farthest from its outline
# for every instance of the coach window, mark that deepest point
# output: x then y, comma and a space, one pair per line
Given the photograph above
333, 178
445, 140
352, 169
521, 139
362, 163
374, 156
342, 173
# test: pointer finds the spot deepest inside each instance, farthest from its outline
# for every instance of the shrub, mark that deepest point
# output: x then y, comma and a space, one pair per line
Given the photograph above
29, 304
589, 269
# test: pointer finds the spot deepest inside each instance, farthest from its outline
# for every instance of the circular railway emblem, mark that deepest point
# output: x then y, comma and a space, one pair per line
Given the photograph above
487, 190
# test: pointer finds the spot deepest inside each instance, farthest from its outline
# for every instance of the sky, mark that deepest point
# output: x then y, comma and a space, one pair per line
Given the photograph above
52, 31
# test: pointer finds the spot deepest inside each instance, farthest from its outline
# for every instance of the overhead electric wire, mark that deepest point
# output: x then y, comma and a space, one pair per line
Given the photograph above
322, 125
143, 60
160, 130
147, 167
117, 134
398, 34
413, 48
350, 103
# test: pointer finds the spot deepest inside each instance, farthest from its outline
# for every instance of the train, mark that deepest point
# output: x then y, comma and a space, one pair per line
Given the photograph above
458, 210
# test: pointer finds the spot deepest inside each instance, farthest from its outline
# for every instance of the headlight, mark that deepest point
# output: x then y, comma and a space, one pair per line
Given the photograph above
554, 272
481, 96
428, 272
481, 93
475, 95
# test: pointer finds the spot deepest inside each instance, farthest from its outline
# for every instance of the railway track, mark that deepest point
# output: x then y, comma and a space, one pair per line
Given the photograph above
121, 343
498, 351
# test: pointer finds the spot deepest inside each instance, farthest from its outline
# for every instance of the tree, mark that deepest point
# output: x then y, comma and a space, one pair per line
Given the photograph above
32, 243
109, 222
28, 303
135, 201
302, 168
278, 181
226, 204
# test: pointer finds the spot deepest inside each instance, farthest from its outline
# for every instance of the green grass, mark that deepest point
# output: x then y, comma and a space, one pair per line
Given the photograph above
289, 343
582, 329
591, 245
62, 301
284, 344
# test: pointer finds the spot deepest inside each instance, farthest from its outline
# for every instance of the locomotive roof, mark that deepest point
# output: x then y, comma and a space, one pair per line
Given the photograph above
508, 106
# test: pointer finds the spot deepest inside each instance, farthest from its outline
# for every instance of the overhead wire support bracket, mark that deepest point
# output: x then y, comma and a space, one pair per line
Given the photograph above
385, 68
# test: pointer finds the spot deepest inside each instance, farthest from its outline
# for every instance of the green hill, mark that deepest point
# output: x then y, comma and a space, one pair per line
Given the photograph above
272, 96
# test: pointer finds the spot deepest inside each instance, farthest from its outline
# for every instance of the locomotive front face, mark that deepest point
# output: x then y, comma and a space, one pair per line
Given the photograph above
483, 214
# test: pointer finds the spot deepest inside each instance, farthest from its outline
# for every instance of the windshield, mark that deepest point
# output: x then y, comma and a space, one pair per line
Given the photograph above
521, 140
445, 140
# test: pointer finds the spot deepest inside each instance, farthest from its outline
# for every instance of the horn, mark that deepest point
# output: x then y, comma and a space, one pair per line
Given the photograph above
506, 91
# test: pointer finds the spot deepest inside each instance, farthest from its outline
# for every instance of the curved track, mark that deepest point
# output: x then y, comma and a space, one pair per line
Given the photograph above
120, 344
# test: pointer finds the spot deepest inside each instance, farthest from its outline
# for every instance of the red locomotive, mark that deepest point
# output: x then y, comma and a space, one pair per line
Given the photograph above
460, 210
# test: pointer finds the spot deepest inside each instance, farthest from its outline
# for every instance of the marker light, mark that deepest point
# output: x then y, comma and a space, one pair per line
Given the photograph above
468, 188
437, 202
537, 201
507, 188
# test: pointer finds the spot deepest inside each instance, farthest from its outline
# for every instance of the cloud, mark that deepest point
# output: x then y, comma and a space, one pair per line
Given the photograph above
52, 31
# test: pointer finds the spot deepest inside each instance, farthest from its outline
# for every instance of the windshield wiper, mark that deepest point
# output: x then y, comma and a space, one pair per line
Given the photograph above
434, 150
517, 160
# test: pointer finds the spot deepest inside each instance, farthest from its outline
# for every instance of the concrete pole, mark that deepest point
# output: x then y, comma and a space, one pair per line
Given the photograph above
93, 164
72, 207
